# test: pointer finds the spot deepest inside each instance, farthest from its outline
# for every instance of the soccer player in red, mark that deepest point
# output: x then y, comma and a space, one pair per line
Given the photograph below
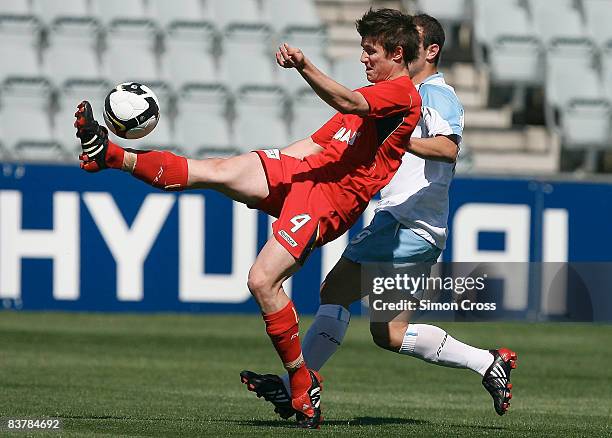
316, 187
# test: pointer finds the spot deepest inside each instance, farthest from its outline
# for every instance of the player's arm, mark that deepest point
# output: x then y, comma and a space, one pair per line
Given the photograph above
439, 148
302, 148
334, 94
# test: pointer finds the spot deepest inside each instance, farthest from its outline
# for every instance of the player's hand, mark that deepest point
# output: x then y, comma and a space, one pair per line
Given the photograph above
290, 57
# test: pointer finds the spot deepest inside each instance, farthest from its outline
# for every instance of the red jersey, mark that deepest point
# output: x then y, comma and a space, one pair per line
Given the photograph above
362, 153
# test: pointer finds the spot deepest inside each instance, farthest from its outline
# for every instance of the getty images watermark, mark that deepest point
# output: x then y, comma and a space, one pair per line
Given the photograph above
489, 291
417, 288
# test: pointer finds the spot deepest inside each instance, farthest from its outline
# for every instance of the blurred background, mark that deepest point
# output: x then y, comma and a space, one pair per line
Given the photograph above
533, 178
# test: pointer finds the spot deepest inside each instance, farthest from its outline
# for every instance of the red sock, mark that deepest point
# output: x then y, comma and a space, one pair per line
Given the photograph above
114, 156
282, 327
161, 169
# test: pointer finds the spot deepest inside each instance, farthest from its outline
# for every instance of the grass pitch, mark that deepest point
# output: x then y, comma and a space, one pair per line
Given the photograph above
177, 375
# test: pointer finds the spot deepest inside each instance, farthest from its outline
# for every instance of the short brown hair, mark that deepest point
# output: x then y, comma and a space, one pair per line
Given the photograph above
433, 32
391, 28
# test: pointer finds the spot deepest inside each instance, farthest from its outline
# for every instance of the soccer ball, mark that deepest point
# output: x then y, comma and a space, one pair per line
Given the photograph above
131, 110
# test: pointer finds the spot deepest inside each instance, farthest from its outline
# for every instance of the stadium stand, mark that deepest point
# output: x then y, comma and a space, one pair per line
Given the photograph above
19, 43
514, 52
557, 19
248, 56
258, 106
303, 13
49, 11
534, 75
72, 50
16, 7
131, 52
225, 12
108, 11
166, 12
309, 113
202, 122
607, 69
454, 11
576, 94
189, 53
597, 15
27, 103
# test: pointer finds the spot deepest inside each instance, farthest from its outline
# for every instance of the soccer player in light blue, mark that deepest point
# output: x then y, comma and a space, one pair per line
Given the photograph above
410, 228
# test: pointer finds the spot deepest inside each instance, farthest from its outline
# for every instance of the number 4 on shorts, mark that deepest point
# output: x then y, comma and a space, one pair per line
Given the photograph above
299, 221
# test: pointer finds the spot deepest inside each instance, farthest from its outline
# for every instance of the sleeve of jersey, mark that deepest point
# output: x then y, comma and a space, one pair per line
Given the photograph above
325, 133
386, 98
441, 111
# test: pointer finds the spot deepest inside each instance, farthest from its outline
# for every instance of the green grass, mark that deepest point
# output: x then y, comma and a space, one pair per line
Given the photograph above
177, 375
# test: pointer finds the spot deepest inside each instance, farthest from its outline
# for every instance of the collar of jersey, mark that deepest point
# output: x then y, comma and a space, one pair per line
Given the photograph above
433, 78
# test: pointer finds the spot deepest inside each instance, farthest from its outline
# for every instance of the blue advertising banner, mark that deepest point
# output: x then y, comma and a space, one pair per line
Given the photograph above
107, 242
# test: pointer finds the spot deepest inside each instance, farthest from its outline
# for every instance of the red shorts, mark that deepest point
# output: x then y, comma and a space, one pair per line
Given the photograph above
306, 218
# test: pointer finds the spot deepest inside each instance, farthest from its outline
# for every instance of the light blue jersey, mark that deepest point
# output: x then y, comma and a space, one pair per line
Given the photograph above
410, 224
417, 196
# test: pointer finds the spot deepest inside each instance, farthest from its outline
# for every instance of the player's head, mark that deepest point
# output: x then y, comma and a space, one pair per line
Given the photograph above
390, 42
431, 41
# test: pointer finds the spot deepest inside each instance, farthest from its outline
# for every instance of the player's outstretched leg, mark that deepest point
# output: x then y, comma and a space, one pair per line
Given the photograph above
161, 169
241, 177
497, 379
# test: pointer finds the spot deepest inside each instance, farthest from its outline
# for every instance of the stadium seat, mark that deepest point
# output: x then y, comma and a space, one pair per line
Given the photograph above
309, 113
40, 152
26, 105
109, 10
202, 118
225, 12
248, 56
288, 13
72, 50
513, 49
576, 93
166, 12
454, 11
556, 19
130, 53
313, 42
49, 11
598, 14
566, 62
16, 7
350, 72
69, 95
261, 118
19, 46
189, 53
587, 124
607, 68
162, 137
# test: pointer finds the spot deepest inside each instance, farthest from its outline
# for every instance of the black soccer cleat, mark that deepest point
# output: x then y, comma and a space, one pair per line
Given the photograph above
272, 389
94, 139
308, 405
497, 378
